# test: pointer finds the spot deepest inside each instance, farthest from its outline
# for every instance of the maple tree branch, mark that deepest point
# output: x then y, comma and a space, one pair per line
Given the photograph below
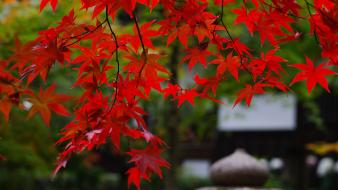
234, 45
142, 44
87, 31
7, 82
116, 56
138, 32
310, 14
232, 40
83, 35
228, 33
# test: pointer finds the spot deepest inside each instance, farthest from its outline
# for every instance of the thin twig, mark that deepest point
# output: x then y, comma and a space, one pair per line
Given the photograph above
232, 40
83, 35
310, 14
116, 57
142, 44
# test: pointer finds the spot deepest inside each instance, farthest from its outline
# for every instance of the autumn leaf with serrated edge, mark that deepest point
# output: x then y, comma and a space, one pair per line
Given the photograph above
47, 101
312, 75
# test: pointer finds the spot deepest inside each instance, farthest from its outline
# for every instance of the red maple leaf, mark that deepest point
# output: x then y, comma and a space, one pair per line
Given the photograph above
146, 34
239, 47
146, 161
172, 89
188, 95
248, 92
113, 6
312, 75
147, 64
150, 3
53, 4
230, 63
134, 177
196, 55
47, 101
181, 32
247, 18
208, 83
116, 76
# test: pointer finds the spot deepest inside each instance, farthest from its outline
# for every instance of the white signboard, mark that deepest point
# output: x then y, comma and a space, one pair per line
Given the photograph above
197, 168
266, 113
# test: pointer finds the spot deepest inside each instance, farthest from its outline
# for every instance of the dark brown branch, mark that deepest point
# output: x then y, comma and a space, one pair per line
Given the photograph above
232, 40
116, 57
142, 44
228, 33
138, 32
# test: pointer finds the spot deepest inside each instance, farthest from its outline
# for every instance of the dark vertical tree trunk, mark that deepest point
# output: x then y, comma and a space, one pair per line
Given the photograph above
172, 116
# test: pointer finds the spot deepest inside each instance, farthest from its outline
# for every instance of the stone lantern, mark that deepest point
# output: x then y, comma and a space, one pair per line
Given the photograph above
238, 171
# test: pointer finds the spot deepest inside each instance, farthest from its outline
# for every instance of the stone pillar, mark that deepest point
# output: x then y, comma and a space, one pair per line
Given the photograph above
238, 171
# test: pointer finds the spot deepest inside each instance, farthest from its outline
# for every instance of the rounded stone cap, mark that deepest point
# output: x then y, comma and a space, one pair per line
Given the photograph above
239, 170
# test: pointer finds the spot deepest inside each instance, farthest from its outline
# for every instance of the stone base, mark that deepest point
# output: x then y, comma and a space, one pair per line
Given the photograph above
233, 188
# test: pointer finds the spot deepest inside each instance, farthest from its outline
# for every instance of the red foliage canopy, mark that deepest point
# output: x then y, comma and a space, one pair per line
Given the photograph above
204, 35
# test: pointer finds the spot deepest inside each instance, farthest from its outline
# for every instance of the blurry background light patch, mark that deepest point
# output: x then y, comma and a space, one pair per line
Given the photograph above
325, 166
266, 113
276, 164
196, 168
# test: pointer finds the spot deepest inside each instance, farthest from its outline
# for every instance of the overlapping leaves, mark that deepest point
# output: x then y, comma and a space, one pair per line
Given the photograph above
206, 40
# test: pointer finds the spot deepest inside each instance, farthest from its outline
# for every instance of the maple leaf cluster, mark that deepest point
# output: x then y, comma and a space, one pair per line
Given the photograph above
207, 40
